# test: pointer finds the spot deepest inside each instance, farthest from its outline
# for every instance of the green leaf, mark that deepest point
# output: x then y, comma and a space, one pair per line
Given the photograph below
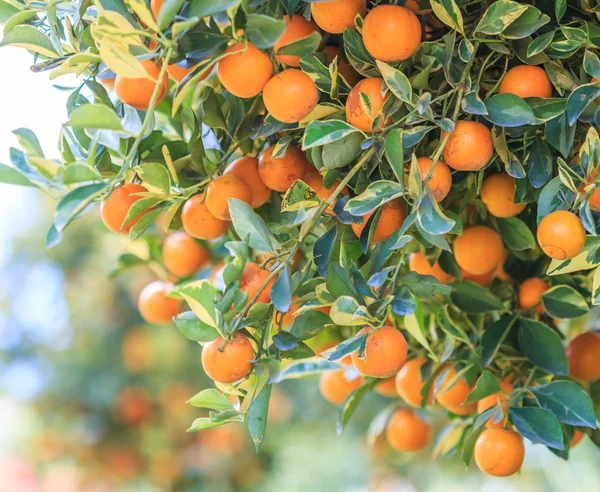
374, 196
96, 116
155, 174
346, 311
301, 47
325, 132
347, 347
72, 204
211, 399
264, 31
351, 404
591, 63
342, 152
564, 302
487, 385
396, 81
472, 298
540, 43
193, 329
499, 16
204, 423
423, 286
257, 416
516, 234
537, 425
204, 8
449, 13
281, 293
31, 39
430, 216
527, 24
248, 224
567, 401
542, 347
301, 370
508, 110
494, 336
394, 151
309, 324
580, 99
10, 175
200, 295
417, 330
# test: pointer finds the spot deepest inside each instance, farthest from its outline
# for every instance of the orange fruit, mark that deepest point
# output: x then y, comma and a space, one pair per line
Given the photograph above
155, 6
526, 81
183, 256
335, 16
479, 250
279, 173
409, 382
499, 452
137, 91
384, 355
441, 178
484, 280
228, 362
133, 406
356, 114
391, 33
290, 316
344, 68
470, 146
492, 400
594, 198
577, 437
387, 387
246, 168
453, 397
114, 208
178, 73
290, 95
501, 273
336, 386
252, 279
413, 5
419, 263
154, 304
296, 29
315, 181
138, 352
221, 189
408, 431
561, 235
498, 196
583, 354
198, 222
245, 74
530, 294
390, 220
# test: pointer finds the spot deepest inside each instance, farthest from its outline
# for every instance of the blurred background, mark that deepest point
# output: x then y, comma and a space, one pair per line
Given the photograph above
92, 399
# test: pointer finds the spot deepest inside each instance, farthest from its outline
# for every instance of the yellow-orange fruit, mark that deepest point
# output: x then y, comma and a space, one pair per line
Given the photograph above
344, 68
221, 189
297, 28
441, 178
245, 74
279, 173
499, 452
470, 146
290, 95
391, 219
561, 235
498, 196
484, 280
479, 250
594, 197
252, 279
583, 354
356, 114
178, 73
530, 293
335, 16
408, 431
391, 33
526, 81
154, 305
387, 387
409, 383
315, 181
501, 273
114, 208
182, 255
230, 361
155, 6
419, 263
137, 91
492, 400
246, 168
336, 386
452, 397
577, 437
198, 222
385, 353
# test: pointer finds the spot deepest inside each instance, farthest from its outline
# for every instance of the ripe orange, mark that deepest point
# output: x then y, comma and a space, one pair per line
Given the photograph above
290, 95
501, 273
245, 74
178, 73
290, 316
453, 397
356, 114
441, 178
561, 235
390, 220
335, 16
499, 452
419, 263
408, 431
229, 362
279, 173
479, 250
155, 6
183, 256
391, 33
498, 196
577, 437
335, 386
114, 208
221, 189
133, 405
297, 28
344, 68
252, 279
469, 147
137, 91
384, 355
387, 387
484, 280
246, 168
198, 222
492, 400
583, 354
594, 198
526, 81
409, 382
530, 294
154, 305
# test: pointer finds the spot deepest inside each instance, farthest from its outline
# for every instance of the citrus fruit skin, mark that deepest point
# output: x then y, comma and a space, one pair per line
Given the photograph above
492, 400
385, 353
498, 196
221, 189
155, 6
183, 256
229, 362
419, 263
391, 219
583, 354
336, 386
387, 387
137, 91
391, 33
114, 208
154, 305
561, 235
530, 294
178, 73
315, 181
479, 250
246, 168
526, 81
344, 68
499, 452
335, 16
409, 382
577, 437
244, 74
452, 396
407, 431
470, 146
198, 222
484, 280
356, 114
290, 95
280, 173
297, 28
252, 279
441, 178
594, 197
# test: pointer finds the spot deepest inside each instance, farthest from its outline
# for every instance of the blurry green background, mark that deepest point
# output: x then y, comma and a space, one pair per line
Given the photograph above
92, 399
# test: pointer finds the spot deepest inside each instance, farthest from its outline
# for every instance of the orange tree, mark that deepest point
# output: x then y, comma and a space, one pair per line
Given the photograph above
412, 184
